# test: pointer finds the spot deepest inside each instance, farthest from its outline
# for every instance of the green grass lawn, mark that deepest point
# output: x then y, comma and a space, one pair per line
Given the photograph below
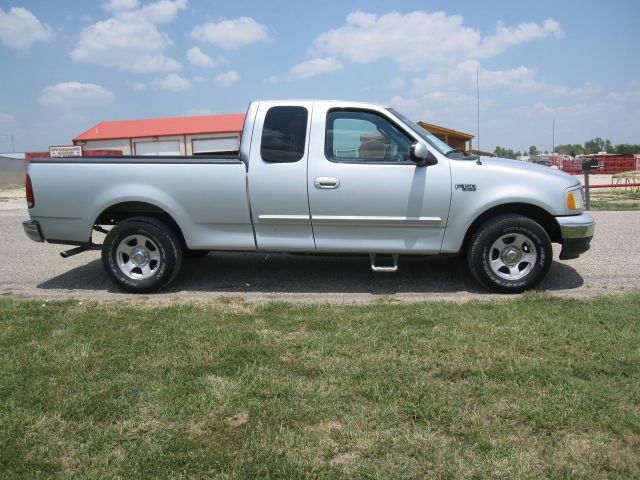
615, 201
537, 387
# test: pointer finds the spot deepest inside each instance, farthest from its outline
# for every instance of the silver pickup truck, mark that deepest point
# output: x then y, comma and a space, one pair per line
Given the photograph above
313, 177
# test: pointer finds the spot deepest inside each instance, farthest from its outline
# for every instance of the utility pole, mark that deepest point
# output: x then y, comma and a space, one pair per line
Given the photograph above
553, 140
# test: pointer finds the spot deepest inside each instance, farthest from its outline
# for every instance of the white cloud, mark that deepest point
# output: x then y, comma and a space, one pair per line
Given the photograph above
308, 69
541, 109
139, 86
19, 29
631, 96
7, 120
317, 66
436, 38
116, 6
405, 105
463, 76
506, 37
398, 83
231, 34
520, 80
136, 46
162, 11
172, 82
199, 58
227, 79
75, 95
130, 40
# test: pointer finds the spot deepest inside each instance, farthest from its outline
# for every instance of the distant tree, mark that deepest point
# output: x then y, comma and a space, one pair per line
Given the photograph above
570, 149
596, 145
626, 148
546, 152
533, 150
506, 153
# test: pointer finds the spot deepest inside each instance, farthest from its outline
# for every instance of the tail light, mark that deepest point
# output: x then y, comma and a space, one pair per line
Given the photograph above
30, 198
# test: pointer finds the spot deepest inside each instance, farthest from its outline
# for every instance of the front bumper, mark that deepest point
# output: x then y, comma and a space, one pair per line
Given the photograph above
33, 230
577, 232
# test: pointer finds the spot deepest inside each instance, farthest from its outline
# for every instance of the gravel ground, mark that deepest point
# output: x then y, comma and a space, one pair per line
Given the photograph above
36, 270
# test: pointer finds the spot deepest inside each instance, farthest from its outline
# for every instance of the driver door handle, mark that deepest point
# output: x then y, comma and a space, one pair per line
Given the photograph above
326, 182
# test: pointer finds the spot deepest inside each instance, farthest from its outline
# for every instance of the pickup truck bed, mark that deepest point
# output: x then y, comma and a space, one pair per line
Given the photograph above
216, 218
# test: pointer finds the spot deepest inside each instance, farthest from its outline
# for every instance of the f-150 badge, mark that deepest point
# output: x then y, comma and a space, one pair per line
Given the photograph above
466, 187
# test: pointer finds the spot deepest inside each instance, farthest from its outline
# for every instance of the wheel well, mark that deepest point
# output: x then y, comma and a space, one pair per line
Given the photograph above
539, 215
125, 210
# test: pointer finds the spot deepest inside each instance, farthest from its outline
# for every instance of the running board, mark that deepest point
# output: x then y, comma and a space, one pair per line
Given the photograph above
387, 269
80, 249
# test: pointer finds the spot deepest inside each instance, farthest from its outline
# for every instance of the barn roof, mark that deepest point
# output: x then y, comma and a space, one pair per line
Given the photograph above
160, 127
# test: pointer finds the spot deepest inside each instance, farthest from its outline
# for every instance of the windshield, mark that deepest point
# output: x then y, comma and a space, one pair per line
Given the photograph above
424, 134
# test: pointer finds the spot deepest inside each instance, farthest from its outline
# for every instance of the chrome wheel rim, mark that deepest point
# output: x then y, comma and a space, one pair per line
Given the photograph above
512, 256
138, 257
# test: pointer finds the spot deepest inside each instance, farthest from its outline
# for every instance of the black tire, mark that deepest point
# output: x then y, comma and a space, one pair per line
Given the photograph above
509, 254
157, 249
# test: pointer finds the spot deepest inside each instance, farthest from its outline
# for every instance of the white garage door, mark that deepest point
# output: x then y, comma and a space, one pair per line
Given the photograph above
214, 145
165, 147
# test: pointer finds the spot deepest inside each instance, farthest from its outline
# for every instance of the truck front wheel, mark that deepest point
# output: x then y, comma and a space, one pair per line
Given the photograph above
141, 254
510, 254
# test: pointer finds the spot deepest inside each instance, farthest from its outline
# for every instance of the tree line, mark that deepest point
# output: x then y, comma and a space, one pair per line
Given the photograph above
590, 147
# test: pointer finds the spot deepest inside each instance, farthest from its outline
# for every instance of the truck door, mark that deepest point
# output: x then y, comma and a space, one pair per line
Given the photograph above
277, 181
365, 194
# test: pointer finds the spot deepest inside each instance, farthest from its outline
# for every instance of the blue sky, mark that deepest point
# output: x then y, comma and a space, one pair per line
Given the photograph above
68, 64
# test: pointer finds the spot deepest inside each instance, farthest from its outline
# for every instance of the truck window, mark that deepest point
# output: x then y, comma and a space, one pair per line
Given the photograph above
283, 134
364, 137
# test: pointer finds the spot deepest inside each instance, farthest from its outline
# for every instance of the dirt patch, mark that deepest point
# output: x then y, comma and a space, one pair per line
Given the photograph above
12, 198
345, 459
238, 419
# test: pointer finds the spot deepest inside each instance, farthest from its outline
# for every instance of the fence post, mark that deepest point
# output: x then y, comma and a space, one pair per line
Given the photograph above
587, 196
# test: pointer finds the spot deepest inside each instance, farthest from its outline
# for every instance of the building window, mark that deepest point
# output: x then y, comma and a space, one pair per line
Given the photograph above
366, 137
284, 134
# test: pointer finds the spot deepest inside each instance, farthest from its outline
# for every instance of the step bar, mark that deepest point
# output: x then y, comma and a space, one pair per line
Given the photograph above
384, 268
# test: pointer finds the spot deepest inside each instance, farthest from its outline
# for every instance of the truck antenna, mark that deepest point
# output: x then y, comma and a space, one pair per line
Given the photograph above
478, 96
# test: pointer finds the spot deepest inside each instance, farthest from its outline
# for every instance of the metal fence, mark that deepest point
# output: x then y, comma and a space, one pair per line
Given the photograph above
607, 164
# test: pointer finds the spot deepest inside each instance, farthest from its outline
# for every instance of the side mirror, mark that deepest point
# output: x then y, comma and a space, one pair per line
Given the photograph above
421, 155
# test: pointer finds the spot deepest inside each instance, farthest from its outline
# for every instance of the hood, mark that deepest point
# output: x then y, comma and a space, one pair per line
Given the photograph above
533, 169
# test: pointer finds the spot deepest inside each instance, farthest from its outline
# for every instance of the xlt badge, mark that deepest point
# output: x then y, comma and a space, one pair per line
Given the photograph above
466, 187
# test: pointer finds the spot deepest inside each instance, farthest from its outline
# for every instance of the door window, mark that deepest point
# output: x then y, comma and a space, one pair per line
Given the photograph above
365, 137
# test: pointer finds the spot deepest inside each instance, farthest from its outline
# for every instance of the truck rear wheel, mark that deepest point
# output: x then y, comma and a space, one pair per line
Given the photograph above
142, 254
510, 254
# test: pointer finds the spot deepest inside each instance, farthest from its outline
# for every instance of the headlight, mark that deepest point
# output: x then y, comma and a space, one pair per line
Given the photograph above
574, 200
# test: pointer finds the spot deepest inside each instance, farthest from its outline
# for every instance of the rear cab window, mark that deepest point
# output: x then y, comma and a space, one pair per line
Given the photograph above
284, 134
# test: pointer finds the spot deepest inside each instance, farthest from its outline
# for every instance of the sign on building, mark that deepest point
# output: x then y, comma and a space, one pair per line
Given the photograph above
66, 151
